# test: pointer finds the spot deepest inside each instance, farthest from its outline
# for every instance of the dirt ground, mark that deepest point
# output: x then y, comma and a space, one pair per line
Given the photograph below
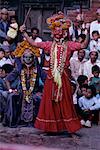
89, 139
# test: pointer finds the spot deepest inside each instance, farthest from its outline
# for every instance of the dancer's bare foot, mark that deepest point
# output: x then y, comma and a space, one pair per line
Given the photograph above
75, 136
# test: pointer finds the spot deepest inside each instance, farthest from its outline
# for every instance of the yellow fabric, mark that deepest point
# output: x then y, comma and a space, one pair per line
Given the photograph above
11, 33
23, 46
57, 76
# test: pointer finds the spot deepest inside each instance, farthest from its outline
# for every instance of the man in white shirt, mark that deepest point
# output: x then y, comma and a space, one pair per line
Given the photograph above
90, 63
35, 34
95, 25
77, 64
36, 38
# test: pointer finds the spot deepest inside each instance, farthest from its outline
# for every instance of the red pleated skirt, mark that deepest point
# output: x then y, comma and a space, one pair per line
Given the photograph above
57, 116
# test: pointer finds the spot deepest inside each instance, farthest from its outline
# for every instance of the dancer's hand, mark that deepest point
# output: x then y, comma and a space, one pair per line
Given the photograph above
22, 28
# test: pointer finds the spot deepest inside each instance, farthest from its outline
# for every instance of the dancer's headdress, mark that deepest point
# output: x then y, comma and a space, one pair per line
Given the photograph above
58, 20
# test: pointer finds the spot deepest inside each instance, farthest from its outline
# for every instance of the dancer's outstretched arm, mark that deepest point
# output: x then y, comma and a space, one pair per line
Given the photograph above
31, 41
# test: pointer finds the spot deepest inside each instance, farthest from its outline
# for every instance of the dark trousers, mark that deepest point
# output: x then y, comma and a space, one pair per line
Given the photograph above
90, 115
12, 110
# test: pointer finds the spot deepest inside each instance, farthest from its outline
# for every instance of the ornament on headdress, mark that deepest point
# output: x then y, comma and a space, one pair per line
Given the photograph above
23, 46
58, 20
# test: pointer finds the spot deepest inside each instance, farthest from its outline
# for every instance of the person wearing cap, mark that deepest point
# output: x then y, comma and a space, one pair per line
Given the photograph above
7, 58
95, 25
4, 25
93, 60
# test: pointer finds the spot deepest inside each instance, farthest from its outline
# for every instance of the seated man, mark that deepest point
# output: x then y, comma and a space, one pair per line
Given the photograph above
77, 64
4, 93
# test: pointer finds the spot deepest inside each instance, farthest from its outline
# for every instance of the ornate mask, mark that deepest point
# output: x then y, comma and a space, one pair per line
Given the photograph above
28, 57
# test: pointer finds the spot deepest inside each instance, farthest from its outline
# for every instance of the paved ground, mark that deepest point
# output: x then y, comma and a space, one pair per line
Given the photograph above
35, 139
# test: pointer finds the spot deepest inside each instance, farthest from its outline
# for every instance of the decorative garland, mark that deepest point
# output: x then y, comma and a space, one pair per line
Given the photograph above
58, 20
27, 93
57, 66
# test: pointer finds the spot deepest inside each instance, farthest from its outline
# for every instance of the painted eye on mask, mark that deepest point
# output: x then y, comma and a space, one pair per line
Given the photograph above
28, 57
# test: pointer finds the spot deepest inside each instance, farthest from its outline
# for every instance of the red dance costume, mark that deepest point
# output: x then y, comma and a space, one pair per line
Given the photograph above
58, 116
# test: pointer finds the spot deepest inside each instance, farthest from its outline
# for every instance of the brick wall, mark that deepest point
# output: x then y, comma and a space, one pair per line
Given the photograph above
89, 14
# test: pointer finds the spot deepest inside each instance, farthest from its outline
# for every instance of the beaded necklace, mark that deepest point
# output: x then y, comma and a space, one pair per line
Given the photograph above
27, 93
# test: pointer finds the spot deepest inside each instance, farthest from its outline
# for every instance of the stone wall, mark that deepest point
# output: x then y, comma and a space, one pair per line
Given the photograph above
89, 14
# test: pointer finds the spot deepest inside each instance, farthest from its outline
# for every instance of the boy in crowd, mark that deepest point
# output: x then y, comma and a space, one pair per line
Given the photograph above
89, 106
95, 80
82, 80
95, 42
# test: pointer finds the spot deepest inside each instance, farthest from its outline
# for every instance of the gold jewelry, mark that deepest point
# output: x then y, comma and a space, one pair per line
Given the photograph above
27, 93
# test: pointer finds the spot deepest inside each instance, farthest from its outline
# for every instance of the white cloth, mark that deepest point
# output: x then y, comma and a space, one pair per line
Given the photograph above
92, 103
95, 45
39, 40
71, 31
75, 98
12, 32
6, 61
74, 55
94, 26
76, 67
88, 68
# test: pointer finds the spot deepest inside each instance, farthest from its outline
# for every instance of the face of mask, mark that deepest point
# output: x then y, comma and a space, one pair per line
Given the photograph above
58, 33
28, 58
